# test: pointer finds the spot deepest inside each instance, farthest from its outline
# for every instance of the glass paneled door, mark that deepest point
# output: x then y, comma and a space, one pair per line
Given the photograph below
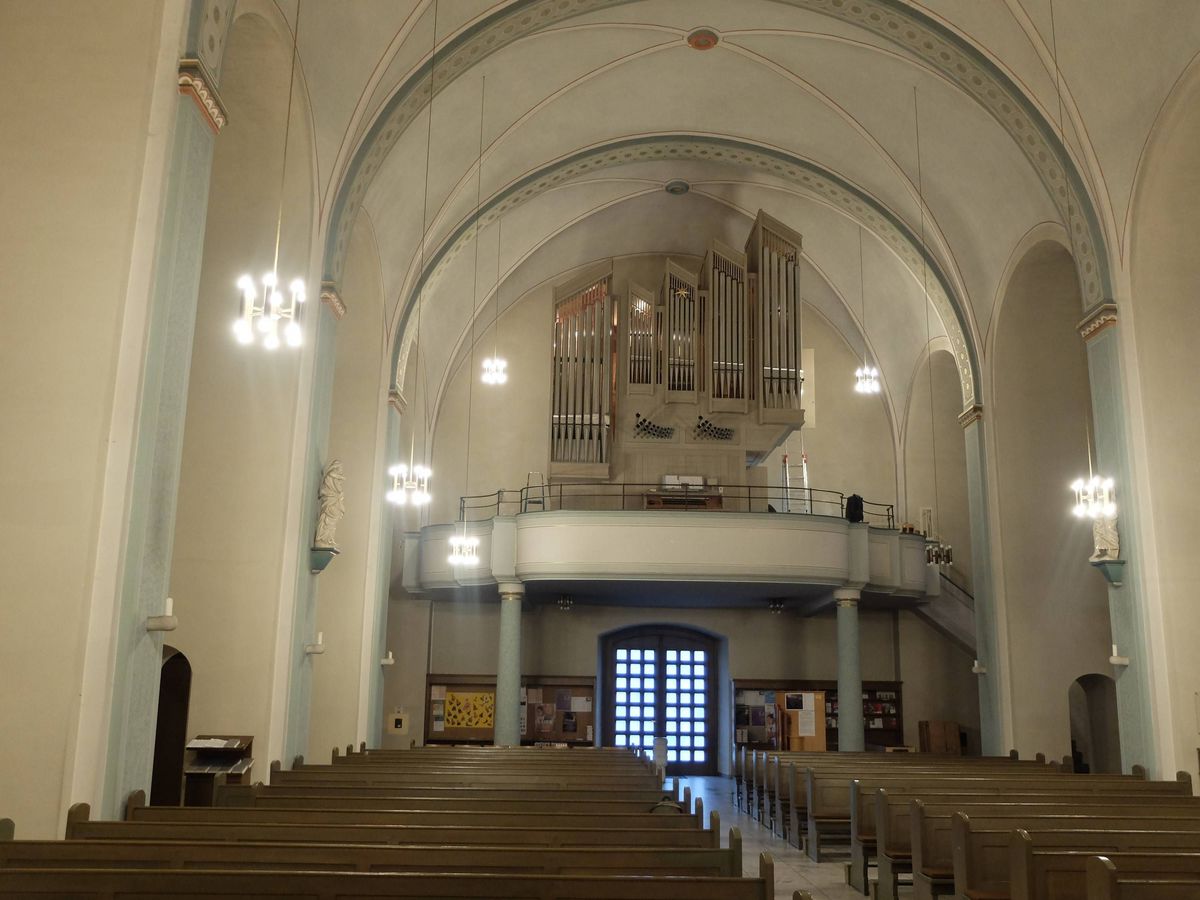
660, 682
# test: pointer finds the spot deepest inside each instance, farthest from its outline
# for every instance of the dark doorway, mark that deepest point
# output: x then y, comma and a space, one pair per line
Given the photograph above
661, 681
170, 736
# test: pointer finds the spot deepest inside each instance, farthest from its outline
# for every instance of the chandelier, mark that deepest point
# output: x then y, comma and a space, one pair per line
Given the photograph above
937, 553
1094, 498
464, 549
866, 380
410, 485
264, 318
272, 316
495, 370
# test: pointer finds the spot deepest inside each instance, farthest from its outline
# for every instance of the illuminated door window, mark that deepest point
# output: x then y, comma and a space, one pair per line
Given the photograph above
661, 684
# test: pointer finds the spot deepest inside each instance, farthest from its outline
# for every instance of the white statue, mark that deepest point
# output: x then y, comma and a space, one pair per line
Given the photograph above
333, 504
1104, 536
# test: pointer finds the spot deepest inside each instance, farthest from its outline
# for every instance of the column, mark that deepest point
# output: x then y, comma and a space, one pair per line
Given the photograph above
987, 633
850, 710
1126, 602
508, 667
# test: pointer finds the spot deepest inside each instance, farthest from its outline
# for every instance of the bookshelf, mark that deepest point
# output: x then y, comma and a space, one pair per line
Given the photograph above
883, 712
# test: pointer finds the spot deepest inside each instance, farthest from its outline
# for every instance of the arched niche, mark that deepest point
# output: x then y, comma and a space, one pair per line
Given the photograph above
170, 733
1164, 270
1095, 739
1055, 606
232, 525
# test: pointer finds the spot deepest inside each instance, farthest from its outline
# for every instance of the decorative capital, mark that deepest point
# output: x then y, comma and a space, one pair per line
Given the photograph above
397, 401
847, 596
197, 83
331, 298
1099, 317
970, 415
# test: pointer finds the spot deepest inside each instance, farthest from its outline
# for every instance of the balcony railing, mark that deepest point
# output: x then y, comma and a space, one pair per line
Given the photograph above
624, 496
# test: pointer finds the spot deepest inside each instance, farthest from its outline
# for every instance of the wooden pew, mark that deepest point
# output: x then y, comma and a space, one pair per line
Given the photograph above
80, 826
240, 794
1053, 866
366, 776
723, 862
867, 813
1105, 881
981, 842
118, 884
897, 827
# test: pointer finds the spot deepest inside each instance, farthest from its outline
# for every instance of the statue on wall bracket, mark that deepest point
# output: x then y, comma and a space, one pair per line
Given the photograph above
331, 501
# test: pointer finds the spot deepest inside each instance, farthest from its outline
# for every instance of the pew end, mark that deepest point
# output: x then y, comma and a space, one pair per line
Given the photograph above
362, 746
1185, 778
1139, 771
735, 849
766, 871
133, 801
276, 766
298, 761
78, 813
687, 800
714, 825
8, 831
333, 757
801, 895
1101, 879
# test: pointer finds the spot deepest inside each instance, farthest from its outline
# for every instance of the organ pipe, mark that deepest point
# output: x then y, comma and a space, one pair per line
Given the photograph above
583, 357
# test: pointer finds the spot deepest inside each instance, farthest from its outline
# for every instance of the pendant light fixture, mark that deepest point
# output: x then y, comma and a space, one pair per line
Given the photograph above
866, 376
937, 554
410, 481
495, 367
464, 548
272, 316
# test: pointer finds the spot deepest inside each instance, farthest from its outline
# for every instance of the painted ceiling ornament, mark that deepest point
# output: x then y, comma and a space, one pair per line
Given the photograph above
702, 39
332, 502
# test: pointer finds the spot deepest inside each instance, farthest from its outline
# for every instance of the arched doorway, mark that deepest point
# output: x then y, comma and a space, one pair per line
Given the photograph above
661, 681
170, 735
1095, 740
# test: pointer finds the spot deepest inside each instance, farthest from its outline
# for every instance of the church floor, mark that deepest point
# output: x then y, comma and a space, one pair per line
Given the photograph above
793, 870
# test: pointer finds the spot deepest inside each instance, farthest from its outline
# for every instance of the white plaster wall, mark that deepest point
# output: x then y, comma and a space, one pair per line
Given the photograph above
937, 679
345, 589
949, 499
73, 163
1057, 605
1163, 312
231, 525
850, 446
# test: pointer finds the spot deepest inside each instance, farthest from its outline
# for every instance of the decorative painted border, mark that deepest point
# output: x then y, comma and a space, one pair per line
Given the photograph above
195, 82
959, 61
826, 185
1097, 320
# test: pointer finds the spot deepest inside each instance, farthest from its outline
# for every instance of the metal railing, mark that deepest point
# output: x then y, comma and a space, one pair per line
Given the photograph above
626, 496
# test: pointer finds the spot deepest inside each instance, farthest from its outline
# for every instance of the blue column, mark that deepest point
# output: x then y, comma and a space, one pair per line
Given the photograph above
508, 667
986, 643
1126, 607
850, 708
158, 451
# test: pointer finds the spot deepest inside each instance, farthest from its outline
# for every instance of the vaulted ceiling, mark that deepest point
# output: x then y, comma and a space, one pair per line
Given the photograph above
805, 108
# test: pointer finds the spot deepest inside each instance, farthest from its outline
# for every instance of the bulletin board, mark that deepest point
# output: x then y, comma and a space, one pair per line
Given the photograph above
461, 709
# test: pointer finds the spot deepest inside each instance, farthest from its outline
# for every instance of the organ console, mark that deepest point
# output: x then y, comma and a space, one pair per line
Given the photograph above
710, 359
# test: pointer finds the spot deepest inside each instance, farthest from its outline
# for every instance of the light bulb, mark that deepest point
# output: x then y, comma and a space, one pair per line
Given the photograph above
271, 341
398, 470
395, 496
246, 284
270, 280
292, 333
243, 332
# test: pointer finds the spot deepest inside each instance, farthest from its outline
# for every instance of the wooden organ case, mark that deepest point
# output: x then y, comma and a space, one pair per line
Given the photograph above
706, 368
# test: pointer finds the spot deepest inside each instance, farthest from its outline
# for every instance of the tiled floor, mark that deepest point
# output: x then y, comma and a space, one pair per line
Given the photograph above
793, 870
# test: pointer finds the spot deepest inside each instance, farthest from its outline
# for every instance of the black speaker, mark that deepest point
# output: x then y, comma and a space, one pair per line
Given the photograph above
854, 508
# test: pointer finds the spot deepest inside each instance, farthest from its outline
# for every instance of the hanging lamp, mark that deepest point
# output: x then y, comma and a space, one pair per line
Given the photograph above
937, 554
866, 376
464, 548
273, 316
410, 481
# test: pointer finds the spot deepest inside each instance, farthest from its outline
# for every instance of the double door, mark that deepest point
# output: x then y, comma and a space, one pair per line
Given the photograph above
660, 682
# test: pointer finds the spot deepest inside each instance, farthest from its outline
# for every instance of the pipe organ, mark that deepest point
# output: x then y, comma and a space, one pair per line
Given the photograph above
720, 346
583, 389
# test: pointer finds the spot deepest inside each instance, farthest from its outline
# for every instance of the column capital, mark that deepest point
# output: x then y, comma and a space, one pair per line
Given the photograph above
847, 596
970, 415
511, 589
1098, 318
397, 400
196, 82
333, 299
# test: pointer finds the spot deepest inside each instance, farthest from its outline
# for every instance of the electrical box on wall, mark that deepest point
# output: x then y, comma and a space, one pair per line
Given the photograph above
397, 722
